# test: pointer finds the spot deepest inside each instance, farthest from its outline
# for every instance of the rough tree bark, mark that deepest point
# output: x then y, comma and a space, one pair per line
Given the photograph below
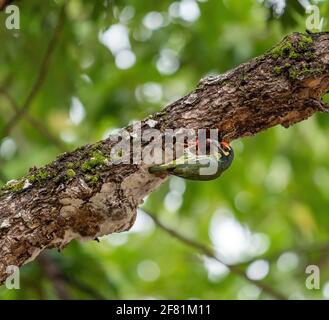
81, 195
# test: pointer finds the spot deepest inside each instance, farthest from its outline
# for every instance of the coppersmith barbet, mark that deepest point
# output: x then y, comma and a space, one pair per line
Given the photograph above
199, 167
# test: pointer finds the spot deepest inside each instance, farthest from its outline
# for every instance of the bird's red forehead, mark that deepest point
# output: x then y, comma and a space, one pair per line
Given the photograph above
225, 144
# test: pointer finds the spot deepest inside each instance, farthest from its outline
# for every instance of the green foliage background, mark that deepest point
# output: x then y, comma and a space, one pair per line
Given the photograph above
270, 207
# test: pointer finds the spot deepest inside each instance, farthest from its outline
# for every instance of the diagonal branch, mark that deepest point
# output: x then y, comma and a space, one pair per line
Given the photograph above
54, 274
41, 76
61, 281
210, 253
35, 123
84, 194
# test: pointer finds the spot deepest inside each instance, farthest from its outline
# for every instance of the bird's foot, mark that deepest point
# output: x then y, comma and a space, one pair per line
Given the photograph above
319, 105
324, 107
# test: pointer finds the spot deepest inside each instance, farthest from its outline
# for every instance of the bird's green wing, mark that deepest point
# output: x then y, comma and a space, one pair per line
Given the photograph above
183, 163
201, 168
169, 165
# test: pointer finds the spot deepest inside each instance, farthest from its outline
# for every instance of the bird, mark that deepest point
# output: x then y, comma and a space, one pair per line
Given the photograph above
201, 167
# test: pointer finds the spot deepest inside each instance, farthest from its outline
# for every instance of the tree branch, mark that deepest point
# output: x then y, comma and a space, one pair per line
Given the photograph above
55, 275
34, 122
210, 253
61, 281
41, 76
83, 195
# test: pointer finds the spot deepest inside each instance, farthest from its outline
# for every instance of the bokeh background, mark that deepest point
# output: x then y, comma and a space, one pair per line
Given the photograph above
82, 70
